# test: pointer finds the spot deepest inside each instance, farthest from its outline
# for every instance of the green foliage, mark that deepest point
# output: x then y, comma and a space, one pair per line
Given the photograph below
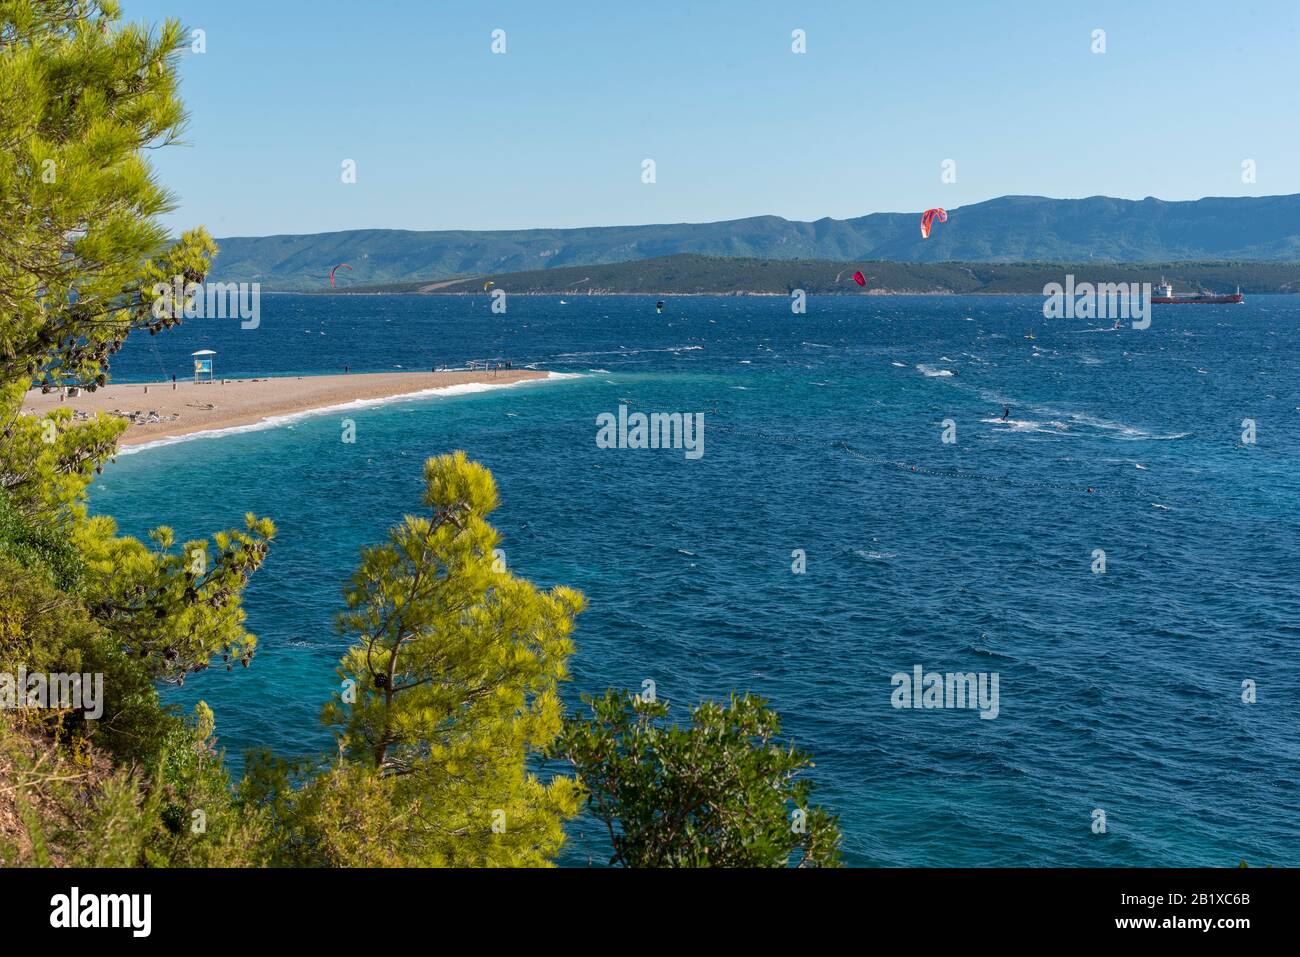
38, 547
43, 629
179, 812
175, 610
47, 462
721, 793
84, 97
202, 823
449, 686
177, 767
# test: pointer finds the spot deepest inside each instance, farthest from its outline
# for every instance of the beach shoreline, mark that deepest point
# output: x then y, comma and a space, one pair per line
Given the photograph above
165, 410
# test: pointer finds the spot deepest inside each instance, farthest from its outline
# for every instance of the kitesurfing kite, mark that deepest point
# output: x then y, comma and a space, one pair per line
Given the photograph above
488, 285
860, 279
928, 217
338, 267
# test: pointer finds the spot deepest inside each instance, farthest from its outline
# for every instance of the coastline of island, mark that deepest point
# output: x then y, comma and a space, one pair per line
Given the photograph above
699, 275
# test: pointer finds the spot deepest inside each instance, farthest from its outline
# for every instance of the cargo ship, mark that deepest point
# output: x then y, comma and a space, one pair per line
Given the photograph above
1164, 294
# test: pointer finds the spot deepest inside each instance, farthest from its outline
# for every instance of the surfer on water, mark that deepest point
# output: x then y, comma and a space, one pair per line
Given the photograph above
1006, 412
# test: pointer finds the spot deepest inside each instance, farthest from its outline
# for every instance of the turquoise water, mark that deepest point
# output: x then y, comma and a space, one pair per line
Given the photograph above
1120, 691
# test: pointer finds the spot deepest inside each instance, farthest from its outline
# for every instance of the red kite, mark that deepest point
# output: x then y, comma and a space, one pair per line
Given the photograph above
928, 217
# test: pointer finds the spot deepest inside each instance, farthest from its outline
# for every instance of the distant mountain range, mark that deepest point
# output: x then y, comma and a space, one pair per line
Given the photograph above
1005, 230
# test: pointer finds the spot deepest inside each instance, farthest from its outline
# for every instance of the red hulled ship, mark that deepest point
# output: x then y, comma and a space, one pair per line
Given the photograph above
1164, 294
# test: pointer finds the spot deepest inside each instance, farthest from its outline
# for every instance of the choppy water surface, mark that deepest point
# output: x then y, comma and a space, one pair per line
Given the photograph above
1120, 691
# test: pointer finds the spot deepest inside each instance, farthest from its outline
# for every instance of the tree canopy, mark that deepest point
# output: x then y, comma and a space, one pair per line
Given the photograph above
85, 98
723, 792
449, 685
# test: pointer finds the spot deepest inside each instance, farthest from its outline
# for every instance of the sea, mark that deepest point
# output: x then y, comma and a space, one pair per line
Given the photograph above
1105, 520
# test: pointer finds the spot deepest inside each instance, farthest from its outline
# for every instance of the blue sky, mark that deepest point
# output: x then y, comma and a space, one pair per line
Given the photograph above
445, 134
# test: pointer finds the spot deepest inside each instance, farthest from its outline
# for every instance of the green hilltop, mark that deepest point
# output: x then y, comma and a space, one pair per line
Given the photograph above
1010, 229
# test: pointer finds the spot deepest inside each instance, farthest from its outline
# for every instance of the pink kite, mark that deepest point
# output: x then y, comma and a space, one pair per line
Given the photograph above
339, 266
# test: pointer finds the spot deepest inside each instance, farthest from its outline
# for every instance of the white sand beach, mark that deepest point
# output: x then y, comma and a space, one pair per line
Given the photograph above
161, 410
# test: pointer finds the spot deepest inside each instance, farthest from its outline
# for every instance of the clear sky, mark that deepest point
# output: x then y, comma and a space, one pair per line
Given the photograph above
446, 134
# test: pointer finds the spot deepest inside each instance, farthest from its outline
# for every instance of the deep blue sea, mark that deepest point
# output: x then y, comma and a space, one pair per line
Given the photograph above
1120, 691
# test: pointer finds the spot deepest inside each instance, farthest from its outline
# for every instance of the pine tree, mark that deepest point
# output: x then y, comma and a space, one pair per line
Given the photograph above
449, 688
83, 98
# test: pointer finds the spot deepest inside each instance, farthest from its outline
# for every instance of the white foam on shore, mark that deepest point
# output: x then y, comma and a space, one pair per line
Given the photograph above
275, 421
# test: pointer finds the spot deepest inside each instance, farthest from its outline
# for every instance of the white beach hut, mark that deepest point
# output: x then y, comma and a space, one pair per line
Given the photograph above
202, 364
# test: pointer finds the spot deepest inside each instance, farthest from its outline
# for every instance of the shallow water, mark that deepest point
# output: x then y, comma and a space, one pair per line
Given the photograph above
1120, 691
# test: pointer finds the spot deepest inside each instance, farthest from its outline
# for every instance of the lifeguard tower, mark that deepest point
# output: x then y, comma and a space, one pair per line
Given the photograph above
202, 365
